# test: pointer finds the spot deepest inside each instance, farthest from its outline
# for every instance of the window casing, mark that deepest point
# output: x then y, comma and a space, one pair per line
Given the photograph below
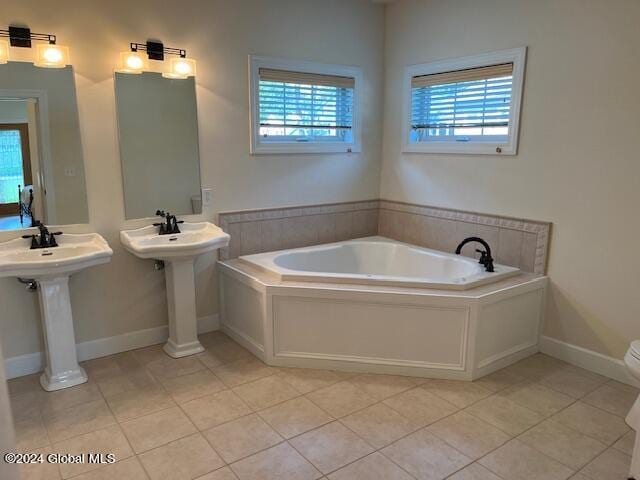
468, 105
303, 107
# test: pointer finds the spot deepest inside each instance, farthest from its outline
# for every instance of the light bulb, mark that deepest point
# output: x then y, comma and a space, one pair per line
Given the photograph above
4, 51
132, 62
51, 56
181, 68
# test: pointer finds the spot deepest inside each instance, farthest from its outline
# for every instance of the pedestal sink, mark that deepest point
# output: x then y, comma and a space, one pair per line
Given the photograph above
51, 268
178, 251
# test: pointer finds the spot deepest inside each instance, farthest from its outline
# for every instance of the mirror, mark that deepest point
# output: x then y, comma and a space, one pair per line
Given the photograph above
158, 130
41, 164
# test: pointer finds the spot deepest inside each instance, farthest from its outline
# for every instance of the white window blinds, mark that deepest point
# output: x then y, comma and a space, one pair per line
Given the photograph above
464, 105
305, 107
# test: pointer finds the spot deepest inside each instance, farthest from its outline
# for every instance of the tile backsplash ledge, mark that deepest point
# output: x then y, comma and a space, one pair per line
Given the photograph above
516, 242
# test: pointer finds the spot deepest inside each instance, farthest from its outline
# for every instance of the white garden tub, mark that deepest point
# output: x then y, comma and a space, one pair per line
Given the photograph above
381, 306
378, 261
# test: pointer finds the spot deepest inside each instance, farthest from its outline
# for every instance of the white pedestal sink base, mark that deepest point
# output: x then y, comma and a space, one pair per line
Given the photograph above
62, 368
181, 299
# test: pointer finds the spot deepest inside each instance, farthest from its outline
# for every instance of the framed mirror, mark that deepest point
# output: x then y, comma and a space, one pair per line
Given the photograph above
158, 131
41, 163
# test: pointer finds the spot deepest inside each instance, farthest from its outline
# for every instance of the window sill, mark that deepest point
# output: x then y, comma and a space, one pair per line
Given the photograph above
304, 148
466, 148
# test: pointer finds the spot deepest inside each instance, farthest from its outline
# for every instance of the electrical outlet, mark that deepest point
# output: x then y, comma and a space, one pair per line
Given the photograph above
207, 197
69, 172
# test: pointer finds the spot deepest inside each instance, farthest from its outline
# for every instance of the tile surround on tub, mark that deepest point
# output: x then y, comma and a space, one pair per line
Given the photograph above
255, 231
516, 242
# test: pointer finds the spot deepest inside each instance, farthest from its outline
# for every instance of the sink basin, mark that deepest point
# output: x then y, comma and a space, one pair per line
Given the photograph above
194, 239
178, 251
50, 268
74, 252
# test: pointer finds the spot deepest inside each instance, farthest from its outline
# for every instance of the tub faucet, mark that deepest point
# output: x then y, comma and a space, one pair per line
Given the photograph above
485, 255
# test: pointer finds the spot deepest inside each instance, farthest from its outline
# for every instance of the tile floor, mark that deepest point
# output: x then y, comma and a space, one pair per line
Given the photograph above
224, 415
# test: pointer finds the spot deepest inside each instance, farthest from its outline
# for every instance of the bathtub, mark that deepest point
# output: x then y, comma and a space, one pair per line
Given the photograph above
378, 261
381, 306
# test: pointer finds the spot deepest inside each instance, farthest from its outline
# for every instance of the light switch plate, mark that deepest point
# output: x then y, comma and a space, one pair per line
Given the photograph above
207, 197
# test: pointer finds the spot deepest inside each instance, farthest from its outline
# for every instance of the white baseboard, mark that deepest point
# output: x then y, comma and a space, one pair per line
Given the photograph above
34, 362
587, 359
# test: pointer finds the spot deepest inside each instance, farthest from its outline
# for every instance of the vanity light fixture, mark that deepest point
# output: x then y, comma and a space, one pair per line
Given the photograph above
134, 61
48, 55
4, 51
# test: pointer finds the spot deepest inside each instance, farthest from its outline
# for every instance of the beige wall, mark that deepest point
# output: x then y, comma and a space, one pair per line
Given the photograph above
127, 294
578, 161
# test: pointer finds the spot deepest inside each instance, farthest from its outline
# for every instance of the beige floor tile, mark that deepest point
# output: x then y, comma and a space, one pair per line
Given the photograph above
295, 416
469, 434
508, 416
26, 405
167, 367
266, 392
596, 423
420, 407
109, 440
611, 465
382, 386
183, 459
331, 447
341, 399
221, 352
573, 381
579, 476
224, 473
612, 399
499, 380
281, 462
74, 421
517, 461
40, 471
192, 386
149, 354
626, 442
536, 366
459, 393
151, 431
307, 380
475, 471
372, 467
425, 456
141, 401
243, 371
537, 397
30, 434
26, 384
131, 380
379, 425
242, 437
211, 410
70, 397
563, 444
129, 469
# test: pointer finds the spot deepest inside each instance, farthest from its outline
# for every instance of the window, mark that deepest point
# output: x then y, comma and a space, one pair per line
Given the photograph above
301, 107
468, 105
15, 165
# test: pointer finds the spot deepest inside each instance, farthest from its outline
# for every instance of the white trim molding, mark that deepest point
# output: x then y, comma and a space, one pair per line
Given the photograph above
517, 56
588, 359
260, 148
34, 362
